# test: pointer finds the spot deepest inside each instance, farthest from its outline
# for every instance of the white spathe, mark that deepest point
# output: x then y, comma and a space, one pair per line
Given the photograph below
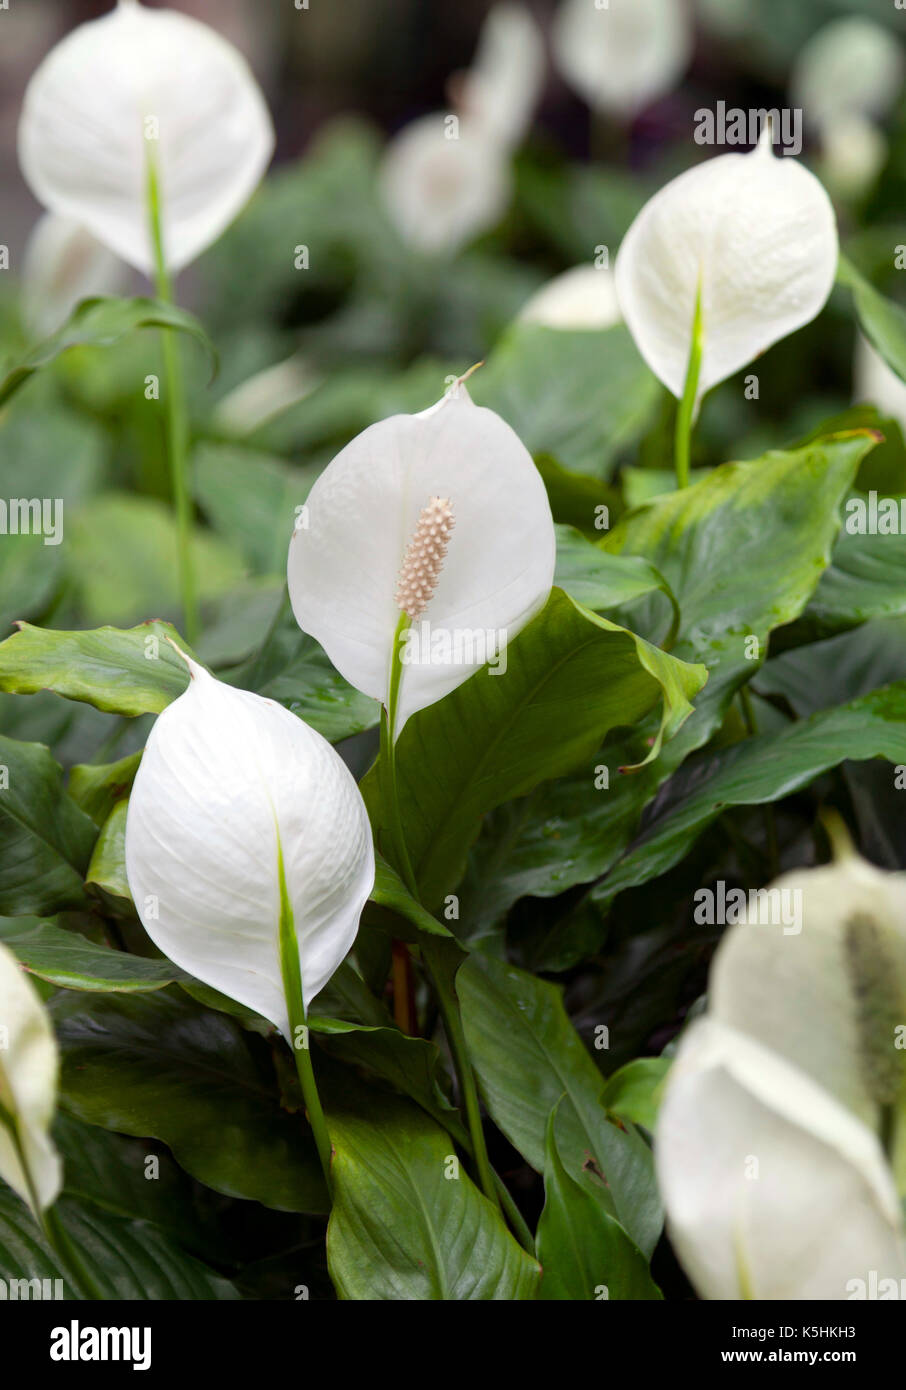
135, 84
876, 383
228, 780
443, 181
768, 1153
361, 515
500, 90
64, 264
759, 234
583, 297
622, 56
28, 1088
851, 66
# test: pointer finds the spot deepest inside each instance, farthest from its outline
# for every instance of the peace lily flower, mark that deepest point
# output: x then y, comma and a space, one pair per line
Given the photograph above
750, 238
140, 89
28, 1090
583, 297
248, 848
446, 177
437, 521
63, 265
622, 56
781, 1142
877, 383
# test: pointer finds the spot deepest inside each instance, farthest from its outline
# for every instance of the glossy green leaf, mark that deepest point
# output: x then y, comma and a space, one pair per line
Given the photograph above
251, 500
571, 677
527, 1055
882, 321
601, 581
70, 961
584, 1253
45, 840
102, 323
866, 579
391, 893
107, 870
133, 671
634, 1092
97, 787
407, 1223
159, 1066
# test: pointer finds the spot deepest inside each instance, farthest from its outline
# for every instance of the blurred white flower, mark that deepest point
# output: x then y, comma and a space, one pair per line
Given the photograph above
443, 182
137, 88
28, 1089
781, 1141
757, 233
241, 819
445, 177
622, 56
853, 153
850, 67
440, 515
876, 383
266, 394
64, 264
583, 297
500, 91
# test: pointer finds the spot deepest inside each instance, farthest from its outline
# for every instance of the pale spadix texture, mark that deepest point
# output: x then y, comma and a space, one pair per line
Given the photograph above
759, 232
768, 1152
622, 56
64, 264
583, 297
229, 781
91, 106
28, 1088
362, 513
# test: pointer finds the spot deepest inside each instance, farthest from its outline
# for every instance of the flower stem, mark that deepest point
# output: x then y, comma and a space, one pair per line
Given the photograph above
298, 1025
177, 422
686, 412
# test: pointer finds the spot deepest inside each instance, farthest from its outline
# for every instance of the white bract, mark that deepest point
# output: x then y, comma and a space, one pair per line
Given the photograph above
446, 177
781, 1142
489, 571
28, 1089
63, 265
233, 791
583, 297
876, 383
757, 233
850, 67
622, 56
144, 85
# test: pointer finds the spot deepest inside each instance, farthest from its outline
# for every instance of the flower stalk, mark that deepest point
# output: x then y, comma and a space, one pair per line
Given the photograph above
685, 414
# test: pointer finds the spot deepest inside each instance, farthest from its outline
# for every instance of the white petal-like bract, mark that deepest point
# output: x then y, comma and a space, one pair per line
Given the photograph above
876, 383
64, 264
757, 232
443, 181
622, 56
135, 84
229, 784
583, 297
344, 563
501, 88
851, 66
28, 1089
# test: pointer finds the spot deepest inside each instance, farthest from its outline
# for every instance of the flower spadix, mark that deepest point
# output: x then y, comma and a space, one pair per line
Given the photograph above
139, 88
243, 826
621, 56
755, 235
28, 1088
781, 1143
439, 519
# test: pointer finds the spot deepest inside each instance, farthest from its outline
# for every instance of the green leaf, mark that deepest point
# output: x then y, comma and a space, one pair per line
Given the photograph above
159, 1066
70, 961
571, 677
45, 840
759, 770
866, 579
102, 323
251, 500
634, 1092
575, 498
391, 893
527, 1055
97, 787
601, 581
578, 395
882, 321
107, 870
407, 1223
584, 1253
131, 671
127, 1259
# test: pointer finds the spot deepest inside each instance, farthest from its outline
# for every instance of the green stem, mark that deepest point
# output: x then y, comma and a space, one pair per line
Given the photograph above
388, 759
177, 419
298, 1025
686, 411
